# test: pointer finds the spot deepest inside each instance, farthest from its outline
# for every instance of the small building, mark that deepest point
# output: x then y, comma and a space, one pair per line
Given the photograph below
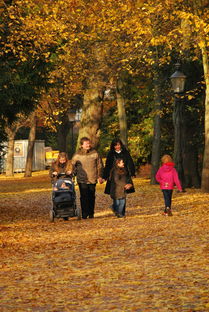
20, 156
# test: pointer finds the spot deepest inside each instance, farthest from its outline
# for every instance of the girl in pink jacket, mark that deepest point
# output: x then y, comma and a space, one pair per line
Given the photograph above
167, 176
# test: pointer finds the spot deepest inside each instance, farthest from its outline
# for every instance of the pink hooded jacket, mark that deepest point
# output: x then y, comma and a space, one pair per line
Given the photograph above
167, 176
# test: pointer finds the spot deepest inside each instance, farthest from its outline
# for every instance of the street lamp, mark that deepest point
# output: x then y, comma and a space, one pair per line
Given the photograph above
178, 80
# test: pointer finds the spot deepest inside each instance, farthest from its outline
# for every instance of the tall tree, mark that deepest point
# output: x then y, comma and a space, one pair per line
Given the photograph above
94, 87
31, 144
205, 171
192, 21
22, 78
96, 40
156, 143
122, 112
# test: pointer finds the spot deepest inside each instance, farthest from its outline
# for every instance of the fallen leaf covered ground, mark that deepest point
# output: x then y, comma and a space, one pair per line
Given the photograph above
145, 262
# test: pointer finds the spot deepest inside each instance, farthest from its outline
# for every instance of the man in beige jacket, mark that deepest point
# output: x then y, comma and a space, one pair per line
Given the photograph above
88, 168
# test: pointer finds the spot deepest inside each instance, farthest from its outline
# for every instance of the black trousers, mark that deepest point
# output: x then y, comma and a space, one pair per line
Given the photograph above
87, 199
167, 197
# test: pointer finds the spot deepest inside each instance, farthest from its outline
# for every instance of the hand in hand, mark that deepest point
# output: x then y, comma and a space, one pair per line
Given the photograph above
128, 186
100, 180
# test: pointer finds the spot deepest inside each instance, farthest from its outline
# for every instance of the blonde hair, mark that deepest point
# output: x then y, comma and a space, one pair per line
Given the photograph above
62, 155
68, 163
166, 158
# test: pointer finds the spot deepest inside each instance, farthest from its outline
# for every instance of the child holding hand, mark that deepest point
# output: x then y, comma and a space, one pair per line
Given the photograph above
167, 176
120, 183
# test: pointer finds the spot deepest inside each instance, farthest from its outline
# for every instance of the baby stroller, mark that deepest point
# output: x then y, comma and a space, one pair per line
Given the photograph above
64, 199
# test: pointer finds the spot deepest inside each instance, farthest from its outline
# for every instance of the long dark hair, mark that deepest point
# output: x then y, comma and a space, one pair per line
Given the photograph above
115, 168
115, 142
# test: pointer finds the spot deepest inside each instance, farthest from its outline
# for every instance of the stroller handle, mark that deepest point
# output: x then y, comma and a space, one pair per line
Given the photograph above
61, 175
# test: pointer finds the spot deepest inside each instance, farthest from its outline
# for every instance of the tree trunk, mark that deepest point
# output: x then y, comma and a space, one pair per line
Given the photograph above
92, 109
62, 133
155, 161
179, 138
190, 155
205, 171
10, 153
31, 143
191, 173
122, 113
92, 112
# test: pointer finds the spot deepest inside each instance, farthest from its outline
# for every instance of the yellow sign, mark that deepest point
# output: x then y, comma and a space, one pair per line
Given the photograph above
52, 154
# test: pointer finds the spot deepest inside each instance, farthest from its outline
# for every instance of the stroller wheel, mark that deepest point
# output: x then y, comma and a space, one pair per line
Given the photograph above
51, 215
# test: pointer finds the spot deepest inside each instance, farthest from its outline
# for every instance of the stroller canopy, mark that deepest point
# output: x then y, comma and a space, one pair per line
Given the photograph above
67, 184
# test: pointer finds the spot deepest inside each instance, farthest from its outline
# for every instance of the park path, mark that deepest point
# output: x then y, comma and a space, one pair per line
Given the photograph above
145, 262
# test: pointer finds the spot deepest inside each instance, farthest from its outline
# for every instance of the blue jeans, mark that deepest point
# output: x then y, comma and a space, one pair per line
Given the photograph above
119, 206
167, 197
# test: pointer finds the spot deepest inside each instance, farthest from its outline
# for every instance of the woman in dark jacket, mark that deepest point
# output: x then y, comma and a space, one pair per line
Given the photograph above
117, 151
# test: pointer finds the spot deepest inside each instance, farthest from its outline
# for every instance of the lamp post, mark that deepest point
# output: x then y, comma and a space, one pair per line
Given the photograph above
178, 80
74, 116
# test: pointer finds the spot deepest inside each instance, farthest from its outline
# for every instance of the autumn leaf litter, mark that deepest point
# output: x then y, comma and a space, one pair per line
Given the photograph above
145, 262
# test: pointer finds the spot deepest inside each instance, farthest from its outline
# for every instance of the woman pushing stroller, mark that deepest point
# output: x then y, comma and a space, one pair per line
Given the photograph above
63, 194
61, 166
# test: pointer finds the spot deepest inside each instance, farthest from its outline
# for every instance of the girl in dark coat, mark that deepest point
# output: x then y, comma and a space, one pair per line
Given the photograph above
120, 183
